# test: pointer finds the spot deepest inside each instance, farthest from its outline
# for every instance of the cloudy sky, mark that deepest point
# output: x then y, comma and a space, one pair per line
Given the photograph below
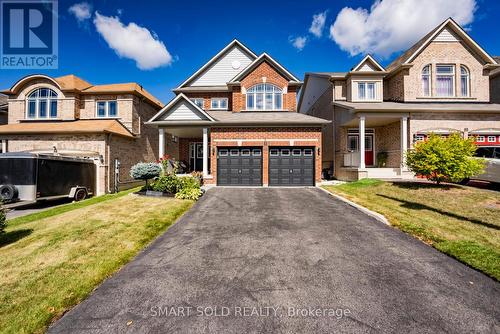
160, 43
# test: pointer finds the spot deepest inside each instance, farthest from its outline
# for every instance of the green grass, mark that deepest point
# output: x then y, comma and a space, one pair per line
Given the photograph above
459, 221
56, 260
68, 207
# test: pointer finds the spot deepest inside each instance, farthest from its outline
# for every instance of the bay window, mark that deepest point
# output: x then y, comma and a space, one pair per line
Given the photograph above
106, 109
464, 80
366, 90
264, 97
42, 104
426, 80
445, 80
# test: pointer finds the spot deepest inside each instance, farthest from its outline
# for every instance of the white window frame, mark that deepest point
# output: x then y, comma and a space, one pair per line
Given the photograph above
365, 84
47, 99
480, 139
419, 138
218, 101
275, 91
468, 81
106, 108
492, 139
451, 75
429, 78
195, 99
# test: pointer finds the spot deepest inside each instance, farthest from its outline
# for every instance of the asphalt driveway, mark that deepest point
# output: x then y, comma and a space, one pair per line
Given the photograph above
275, 260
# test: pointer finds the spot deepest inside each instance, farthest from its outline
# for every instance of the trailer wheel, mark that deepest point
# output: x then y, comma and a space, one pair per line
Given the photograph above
80, 194
8, 192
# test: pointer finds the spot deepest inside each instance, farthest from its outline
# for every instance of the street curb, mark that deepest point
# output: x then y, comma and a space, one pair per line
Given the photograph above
373, 214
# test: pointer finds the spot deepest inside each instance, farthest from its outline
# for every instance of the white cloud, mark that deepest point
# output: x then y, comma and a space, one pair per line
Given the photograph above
82, 11
394, 25
298, 42
318, 23
133, 42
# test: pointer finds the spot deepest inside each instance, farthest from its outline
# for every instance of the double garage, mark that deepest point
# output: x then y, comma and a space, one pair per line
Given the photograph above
287, 166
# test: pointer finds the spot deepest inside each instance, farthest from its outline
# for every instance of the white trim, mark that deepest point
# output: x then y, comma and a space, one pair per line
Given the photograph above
214, 58
458, 29
106, 109
368, 57
265, 139
205, 152
404, 141
194, 99
173, 102
494, 139
4, 146
362, 134
37, 100
29, 77
256, 61
161, 142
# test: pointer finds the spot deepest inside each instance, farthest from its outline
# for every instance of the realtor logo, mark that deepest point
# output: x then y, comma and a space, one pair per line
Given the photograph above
28, 34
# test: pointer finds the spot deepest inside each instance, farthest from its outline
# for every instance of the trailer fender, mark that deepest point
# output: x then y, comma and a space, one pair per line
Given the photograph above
78, 193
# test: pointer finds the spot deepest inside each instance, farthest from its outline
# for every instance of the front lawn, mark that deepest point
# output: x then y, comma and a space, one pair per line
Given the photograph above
49, 263
460, 221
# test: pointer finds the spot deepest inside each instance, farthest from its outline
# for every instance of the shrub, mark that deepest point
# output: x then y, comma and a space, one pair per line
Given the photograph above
445, 159
145, 171
189, 193
169, 183
3, 220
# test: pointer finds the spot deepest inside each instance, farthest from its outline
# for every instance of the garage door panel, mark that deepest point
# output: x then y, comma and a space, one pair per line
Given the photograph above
291, 166
241, 166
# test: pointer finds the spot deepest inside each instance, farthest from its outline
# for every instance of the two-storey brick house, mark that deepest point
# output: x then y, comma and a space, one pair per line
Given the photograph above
440, 85
235, 119
71, 117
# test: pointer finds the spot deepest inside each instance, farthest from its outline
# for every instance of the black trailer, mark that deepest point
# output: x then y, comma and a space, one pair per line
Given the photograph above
32, 177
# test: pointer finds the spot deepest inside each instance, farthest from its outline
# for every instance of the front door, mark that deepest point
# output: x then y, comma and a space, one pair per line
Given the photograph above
196, 157
369, 159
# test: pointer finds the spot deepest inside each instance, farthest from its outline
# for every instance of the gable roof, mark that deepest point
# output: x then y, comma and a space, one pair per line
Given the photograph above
233, 44
409, 55
72, 83
180, 97
370, 59
265, 57
112, 126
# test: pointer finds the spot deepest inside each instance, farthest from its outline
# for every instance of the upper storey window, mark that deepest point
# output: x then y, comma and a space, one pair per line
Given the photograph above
198, 102
42, 104
426, 80
366, 91
465, 81
264, 97
445, 80
218, 103
107, 109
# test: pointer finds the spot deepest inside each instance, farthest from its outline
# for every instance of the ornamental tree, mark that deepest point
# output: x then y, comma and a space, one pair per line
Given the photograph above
145, 171
445, 159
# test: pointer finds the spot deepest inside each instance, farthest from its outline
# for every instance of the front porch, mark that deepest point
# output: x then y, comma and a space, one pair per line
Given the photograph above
380, 155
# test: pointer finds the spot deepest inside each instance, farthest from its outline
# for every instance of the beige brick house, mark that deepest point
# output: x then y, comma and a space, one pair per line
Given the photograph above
3, 111
440, 85
71, 117
235, 120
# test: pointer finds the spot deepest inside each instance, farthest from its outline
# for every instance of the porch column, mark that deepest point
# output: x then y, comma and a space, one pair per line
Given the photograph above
362, 142
161, 142
205, 151
404, 140
4, 146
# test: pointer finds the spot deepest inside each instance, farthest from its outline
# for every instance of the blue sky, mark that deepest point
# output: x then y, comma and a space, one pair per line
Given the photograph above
188, 33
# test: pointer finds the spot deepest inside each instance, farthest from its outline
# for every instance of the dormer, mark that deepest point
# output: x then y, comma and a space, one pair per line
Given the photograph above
365, 81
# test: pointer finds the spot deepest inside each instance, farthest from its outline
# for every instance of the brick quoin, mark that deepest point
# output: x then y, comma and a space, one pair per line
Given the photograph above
265, 137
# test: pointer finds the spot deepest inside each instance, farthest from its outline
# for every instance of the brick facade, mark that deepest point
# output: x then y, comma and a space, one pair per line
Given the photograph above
265, 138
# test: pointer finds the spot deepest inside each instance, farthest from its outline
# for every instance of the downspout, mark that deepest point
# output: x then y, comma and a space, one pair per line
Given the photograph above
108, 163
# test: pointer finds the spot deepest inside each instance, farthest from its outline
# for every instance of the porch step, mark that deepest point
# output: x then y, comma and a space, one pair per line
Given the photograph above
383, 173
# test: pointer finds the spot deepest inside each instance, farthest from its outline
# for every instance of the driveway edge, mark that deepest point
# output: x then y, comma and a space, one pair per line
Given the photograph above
381, 218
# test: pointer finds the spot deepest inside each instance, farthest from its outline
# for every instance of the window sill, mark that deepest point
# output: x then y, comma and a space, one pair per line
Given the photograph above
263, 110
103, 118
40, 119
445, 98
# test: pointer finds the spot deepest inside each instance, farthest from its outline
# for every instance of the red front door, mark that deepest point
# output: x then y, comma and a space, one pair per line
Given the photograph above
369, 159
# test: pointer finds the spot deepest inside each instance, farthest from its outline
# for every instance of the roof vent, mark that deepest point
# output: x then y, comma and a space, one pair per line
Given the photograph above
236, 64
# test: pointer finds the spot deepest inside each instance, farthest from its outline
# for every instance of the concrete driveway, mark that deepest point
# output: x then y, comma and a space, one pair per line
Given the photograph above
275, 260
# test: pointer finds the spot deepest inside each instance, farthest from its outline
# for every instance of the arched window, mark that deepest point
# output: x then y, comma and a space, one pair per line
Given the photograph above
426, 80
42, 103
464, 80
264, 97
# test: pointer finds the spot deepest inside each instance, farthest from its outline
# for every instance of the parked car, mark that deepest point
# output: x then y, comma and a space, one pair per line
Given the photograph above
492, 156
32, 177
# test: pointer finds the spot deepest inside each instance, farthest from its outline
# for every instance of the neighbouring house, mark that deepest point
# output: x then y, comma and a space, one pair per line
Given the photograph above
4, 106
235, 119
440, 85
495, 83
71, 117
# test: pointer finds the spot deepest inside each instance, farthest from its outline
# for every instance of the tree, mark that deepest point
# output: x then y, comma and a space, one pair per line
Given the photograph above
145, 171
445, 159
3, 219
